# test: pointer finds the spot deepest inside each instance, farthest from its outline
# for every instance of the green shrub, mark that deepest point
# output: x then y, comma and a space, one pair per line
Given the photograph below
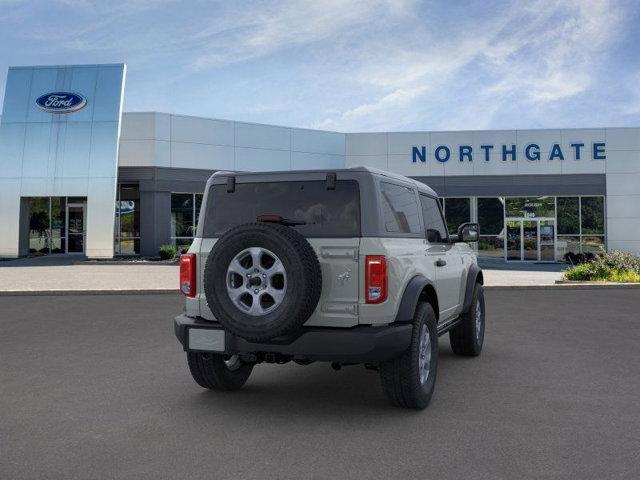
607, 267
167, 252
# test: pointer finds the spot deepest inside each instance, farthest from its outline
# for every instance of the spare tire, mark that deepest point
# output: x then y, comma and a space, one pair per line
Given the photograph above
262, 280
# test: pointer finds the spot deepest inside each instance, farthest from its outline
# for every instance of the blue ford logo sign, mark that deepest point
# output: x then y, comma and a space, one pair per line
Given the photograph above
61, 102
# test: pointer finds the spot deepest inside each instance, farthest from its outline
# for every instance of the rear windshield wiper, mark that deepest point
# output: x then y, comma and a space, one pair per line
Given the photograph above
288, 222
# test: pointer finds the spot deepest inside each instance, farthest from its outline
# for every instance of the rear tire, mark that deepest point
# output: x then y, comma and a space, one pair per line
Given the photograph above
467, 337
403, 379
218, 372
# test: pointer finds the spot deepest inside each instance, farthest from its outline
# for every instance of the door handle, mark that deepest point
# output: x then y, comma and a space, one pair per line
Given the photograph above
440, 262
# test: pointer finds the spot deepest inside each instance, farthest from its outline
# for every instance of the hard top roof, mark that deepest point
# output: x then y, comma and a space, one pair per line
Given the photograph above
356, 169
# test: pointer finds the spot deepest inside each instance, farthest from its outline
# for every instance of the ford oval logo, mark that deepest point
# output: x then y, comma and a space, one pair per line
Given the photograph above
61, 102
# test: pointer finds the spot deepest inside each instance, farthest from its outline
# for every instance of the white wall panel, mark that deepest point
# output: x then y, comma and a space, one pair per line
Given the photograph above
262, 136
139, 126
198, 155
623, 161
367, 144
623, 206
495, 165
588, 136
623, 139
374, 161
623, 183
259, 159
400, 143
632, 246
623, 229
315, 161
544, 138
202, 130
140, 153
314, 141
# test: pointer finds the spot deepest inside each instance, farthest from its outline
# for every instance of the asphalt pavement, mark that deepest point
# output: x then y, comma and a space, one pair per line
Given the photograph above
96, 387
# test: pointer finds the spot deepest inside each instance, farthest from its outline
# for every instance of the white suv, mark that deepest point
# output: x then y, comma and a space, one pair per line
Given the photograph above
347, 266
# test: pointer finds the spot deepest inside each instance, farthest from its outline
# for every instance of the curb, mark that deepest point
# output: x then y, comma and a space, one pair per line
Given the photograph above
22, 293
175, 291
565, 286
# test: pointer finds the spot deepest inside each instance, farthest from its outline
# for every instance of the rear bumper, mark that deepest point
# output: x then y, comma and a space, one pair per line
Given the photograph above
361, 344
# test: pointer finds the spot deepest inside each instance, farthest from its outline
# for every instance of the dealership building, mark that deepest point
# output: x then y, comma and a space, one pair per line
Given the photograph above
79, 176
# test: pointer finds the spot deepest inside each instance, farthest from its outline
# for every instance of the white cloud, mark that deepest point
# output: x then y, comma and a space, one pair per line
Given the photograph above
534, 55
350, 64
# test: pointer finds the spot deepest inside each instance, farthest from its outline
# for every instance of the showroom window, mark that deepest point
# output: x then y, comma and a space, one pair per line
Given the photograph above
56, 225
580, 225
185, 210
530, 207
456, 212
491, 221
47, 225
127, 227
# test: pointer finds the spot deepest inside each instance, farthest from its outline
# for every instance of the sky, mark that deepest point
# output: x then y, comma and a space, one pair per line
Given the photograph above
351, 65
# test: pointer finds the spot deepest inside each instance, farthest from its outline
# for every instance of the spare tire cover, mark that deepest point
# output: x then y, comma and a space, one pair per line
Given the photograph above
262, 280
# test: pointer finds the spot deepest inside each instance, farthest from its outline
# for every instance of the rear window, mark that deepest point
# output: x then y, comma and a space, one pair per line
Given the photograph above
327, 213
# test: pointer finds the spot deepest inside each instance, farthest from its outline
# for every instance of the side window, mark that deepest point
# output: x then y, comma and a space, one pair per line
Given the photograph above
400, 209
433, 221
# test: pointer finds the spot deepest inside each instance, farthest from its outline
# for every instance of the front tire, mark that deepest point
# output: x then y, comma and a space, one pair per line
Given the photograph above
467, 337
409, 380
218, 372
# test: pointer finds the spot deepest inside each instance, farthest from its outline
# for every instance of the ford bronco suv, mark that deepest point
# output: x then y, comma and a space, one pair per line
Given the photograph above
351, 266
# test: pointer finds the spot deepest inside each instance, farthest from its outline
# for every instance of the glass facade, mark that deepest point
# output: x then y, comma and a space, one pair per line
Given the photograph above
185, 210
457, 211
127, 227
491, 219
541, 228
56, 225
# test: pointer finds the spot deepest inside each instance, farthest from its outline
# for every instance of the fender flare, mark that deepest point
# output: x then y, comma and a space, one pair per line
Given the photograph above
410, 298
474, 273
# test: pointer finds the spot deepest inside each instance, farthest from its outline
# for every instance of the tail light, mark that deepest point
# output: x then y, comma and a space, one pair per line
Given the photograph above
375, 279
188, 274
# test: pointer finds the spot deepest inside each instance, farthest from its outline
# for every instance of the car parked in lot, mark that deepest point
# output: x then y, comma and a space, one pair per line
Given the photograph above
352, 266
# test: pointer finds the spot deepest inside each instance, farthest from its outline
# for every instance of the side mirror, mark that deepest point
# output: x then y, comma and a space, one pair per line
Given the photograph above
469, 232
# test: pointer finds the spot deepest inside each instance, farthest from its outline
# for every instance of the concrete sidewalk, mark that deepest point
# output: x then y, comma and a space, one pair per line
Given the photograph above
64, 274
69, 274
498, 273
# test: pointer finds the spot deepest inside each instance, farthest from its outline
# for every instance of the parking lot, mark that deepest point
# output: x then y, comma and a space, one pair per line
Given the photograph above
97, 387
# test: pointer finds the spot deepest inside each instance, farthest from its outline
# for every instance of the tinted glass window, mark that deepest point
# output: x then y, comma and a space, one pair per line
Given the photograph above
400, 209
327, 213
592, 215
457, 211
490, 215
568, 216
182, 215
531, 207
434, 224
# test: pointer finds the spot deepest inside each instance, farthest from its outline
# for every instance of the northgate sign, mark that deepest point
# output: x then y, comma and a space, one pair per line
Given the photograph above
531, 152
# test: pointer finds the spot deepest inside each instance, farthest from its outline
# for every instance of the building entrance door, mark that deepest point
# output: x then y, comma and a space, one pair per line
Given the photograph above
532, 240
76, 220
